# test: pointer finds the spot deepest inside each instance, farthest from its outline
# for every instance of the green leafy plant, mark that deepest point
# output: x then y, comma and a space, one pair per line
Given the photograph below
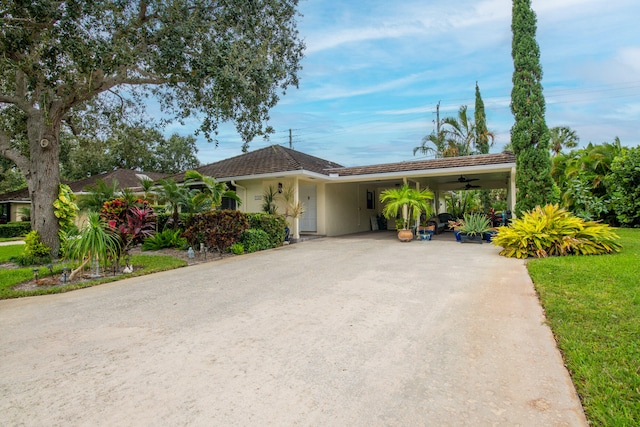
273, 225
65, 208
553, 231
237, 248
216, 229
165, 239
14, 229
256, 240
407, 201
475, 223
97, 242
624, 182
35, 252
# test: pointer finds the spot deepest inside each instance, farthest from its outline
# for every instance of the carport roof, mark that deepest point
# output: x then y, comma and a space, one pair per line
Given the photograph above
420, 165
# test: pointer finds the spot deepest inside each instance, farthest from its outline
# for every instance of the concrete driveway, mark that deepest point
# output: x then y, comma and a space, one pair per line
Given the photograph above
360, 331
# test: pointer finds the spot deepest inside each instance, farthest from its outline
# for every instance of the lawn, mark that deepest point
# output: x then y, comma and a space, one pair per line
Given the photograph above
592, 304
6, 252
10, 277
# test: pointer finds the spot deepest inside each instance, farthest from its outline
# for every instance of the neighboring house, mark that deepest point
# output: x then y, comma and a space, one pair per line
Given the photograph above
341, 200
11, 203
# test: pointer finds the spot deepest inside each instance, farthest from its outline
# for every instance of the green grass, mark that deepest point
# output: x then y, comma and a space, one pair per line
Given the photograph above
592, 304
6, 252
150, 264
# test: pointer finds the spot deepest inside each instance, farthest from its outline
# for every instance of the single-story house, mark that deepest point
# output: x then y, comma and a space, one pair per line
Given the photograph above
341, 200
336, 200
12, 203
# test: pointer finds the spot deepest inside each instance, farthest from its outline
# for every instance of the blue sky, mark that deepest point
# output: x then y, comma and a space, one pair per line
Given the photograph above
374, 71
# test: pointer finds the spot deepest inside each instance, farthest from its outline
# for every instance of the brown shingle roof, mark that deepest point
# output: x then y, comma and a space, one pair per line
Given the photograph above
126, 178
444, 163
268, 160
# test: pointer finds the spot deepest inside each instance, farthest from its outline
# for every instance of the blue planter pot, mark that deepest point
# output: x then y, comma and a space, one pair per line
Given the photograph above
488, 235
467, 238
457, 234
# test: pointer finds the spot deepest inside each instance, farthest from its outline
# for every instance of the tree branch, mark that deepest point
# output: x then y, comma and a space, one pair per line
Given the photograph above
12, 154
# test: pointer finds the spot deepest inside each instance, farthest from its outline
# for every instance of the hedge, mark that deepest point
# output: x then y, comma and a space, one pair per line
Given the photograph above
273, 225
15, 229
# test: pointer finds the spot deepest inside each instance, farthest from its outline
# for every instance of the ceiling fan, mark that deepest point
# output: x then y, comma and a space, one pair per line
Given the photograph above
464, 180
470, 186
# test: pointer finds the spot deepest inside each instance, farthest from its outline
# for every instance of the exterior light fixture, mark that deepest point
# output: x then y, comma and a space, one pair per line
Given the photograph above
280, 187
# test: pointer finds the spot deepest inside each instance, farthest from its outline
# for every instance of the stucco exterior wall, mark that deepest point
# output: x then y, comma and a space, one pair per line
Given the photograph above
346, 210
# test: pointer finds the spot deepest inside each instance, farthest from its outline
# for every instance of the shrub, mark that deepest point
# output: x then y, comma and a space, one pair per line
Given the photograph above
552, 231
216, 229
164, 220
624, 182
35, 252
237, 248
15, 229
165, 239
256, 240
273, 225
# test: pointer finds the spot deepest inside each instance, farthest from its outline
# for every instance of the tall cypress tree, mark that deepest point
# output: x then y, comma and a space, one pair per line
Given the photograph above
529, 134
482, 134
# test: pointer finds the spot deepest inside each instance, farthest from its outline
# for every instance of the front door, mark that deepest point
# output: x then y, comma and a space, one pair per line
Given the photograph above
308, 220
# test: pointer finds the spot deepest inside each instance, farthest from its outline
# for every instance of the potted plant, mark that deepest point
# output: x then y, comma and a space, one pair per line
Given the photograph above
473, 227
408, 202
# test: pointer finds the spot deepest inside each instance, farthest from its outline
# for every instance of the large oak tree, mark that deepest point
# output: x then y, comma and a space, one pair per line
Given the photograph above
224, 60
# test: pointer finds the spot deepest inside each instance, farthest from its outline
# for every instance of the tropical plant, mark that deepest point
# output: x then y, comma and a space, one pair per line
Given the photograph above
553, 231
562, 137
624, 184
292, 208
174, 196
216, 229
269, 200
407, 201
98, 194
460, 134
139, 223
475, 224
227, 61
164, 239
66, 210
25, 213
211, 194
34, 252
529, 134
96, 243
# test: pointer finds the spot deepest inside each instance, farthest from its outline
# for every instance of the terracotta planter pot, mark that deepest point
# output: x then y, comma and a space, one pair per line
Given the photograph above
405, 235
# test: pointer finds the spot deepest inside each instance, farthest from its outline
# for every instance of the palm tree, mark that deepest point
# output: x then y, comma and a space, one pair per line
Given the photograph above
212, 193
437, 140
461, 134
96, 242
99, 193
562, 137
409, 201
175, 197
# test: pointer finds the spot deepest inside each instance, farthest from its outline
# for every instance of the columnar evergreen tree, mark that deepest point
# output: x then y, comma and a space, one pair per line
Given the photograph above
529, 134
482, 133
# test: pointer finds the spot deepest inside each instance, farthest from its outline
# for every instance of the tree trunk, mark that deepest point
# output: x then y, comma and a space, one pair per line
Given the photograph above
43, 180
